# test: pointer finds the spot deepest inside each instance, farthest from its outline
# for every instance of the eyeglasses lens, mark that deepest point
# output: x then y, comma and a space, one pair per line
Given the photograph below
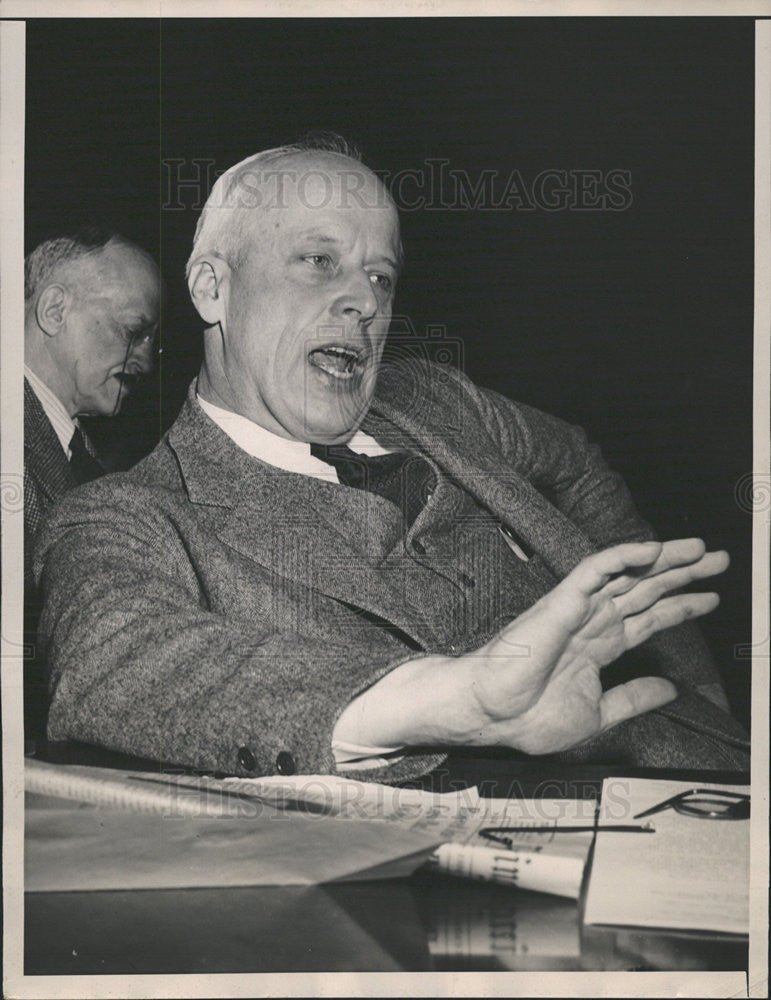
711, 807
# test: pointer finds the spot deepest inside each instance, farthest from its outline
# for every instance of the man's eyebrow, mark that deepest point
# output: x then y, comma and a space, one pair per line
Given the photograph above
139, 321
394, 264
321, 236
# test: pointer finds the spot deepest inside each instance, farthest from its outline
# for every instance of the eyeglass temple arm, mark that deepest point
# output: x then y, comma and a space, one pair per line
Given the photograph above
663, 805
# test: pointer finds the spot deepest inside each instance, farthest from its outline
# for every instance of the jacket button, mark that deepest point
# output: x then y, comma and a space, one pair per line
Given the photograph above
285, 763
246, 759
419, 547
467, 581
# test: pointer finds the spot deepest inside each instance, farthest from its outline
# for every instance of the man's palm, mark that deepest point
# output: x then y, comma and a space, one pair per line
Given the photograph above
539, 682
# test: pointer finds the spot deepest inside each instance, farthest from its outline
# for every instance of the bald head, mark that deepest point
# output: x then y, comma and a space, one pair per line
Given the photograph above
91, 315
247, 197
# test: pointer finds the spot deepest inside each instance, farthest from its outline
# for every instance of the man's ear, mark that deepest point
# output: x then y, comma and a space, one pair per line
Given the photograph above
51, 308
208, 283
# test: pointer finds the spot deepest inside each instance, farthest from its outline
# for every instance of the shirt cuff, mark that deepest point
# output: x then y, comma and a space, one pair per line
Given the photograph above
351, 757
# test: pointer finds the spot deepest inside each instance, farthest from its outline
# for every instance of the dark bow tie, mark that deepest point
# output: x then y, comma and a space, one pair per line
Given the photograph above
400, 477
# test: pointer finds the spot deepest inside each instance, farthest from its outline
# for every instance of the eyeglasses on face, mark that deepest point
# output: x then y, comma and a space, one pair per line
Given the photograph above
704, 803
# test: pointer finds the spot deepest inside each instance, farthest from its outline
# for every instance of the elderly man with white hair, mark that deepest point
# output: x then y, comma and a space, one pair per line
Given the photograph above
91, 312
335, 561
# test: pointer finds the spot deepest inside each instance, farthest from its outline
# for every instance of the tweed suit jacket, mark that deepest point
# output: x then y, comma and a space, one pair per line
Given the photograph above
210, 610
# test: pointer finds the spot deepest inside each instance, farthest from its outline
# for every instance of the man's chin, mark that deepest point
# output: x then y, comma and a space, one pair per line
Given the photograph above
335, 423
325, 434
326, 431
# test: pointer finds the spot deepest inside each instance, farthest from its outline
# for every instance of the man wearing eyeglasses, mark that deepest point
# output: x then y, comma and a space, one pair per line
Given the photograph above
90, 319
335, 561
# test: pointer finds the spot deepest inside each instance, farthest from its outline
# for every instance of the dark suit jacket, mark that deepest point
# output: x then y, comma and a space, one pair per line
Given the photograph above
47, 477
47, 473
210, 610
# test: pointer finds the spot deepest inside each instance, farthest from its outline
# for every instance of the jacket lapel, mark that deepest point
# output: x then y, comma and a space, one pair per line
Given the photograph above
439, 423
44, 456
333, 538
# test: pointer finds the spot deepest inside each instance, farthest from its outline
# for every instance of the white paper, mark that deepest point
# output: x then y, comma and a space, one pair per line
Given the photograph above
71, 846
693, 873
285, 830
360, 799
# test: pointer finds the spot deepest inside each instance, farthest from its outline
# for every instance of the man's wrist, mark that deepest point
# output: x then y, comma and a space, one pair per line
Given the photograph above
425, 701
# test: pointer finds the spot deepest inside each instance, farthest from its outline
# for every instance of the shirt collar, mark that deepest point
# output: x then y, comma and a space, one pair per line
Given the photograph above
282, 453
54, 409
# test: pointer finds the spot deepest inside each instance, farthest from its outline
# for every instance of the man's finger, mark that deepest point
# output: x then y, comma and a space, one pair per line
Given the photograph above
679, 552
633, 698
648, 589
592, 573
666, 613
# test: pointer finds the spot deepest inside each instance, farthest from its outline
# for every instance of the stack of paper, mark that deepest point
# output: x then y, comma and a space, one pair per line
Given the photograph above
546, 860
304, 829
693, 873
98, 828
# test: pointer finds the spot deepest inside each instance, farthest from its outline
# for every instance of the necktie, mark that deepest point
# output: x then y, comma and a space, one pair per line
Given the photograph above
83, 464
402, 478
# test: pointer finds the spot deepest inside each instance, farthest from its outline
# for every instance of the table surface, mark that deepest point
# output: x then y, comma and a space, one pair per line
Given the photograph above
429, 922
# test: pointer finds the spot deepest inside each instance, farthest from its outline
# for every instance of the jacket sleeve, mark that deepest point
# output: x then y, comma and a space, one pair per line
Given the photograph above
557, 458
139, 665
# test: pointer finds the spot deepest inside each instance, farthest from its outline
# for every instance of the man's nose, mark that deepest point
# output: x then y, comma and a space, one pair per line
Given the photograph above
357, 296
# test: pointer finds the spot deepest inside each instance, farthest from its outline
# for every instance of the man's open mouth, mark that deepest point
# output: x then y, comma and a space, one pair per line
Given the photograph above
337, 361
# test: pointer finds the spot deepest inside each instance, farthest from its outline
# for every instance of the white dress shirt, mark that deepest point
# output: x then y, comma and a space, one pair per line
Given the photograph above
283, 453
54, 409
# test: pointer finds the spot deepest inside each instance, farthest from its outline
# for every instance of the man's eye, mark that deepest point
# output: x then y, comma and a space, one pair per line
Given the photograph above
318, 259
385, 282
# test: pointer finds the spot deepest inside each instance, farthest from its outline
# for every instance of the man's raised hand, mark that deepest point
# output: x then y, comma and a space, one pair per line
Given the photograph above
537, 683
536, 686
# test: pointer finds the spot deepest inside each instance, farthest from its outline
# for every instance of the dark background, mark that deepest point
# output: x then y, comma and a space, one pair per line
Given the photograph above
636, 324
